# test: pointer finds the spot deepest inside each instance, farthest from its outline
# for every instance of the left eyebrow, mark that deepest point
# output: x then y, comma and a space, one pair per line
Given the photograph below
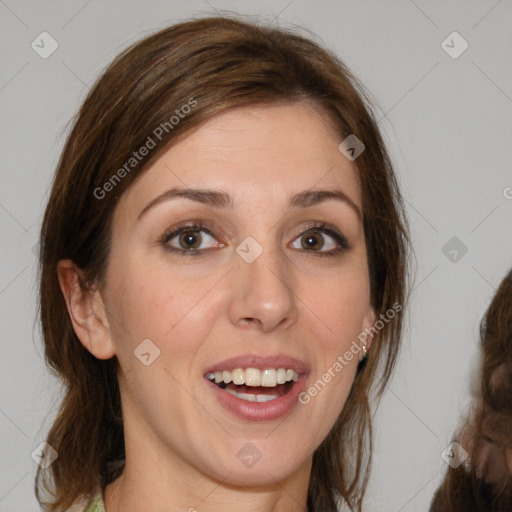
312, 197
220, 199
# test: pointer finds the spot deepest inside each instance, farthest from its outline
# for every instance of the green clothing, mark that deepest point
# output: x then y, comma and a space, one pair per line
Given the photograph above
96, 505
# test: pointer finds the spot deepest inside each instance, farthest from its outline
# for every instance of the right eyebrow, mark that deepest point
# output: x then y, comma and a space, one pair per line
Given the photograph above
214, 198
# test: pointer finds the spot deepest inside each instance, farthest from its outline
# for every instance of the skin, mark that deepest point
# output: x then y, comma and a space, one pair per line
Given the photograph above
493, 452
181, 445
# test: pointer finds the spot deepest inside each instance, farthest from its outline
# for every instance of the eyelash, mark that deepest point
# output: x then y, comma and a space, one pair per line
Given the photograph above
197, 225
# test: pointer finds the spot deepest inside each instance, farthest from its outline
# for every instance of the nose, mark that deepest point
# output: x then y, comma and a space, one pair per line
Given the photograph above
263, 292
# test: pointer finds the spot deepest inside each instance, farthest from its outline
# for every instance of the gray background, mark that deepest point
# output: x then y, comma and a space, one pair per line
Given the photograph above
449, 128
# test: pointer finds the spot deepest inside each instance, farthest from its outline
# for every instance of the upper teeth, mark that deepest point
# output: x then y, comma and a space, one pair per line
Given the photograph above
269, 377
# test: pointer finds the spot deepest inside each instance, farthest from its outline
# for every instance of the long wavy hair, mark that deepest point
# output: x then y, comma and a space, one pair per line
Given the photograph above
221, 63
465, 487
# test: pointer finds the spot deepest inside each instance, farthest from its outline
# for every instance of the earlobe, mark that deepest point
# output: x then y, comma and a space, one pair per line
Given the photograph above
368, 323
86, 311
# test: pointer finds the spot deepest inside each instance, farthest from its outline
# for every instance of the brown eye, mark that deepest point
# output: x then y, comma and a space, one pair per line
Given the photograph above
313, 240
324, 241
190, 239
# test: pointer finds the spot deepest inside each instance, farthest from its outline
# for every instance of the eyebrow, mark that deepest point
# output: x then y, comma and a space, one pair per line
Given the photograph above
220, 199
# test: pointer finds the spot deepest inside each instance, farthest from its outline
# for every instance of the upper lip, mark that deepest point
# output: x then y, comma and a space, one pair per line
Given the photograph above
260, 362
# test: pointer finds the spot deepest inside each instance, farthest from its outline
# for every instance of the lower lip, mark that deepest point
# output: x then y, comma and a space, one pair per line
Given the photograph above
256, 411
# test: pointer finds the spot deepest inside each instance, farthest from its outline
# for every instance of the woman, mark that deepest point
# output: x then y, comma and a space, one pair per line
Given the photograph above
224, 242
483, 482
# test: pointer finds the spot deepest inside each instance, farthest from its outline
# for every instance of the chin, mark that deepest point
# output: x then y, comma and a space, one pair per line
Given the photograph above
245, 465
259, 475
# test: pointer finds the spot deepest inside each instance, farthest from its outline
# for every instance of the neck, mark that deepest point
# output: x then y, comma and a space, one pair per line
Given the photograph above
137, 490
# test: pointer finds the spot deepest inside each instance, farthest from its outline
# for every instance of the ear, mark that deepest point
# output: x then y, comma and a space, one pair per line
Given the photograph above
368, 322
86, 311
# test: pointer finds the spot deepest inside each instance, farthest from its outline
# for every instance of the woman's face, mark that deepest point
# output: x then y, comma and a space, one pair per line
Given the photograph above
262, 294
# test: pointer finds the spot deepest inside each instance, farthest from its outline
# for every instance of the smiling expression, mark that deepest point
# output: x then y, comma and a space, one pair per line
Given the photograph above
240, 254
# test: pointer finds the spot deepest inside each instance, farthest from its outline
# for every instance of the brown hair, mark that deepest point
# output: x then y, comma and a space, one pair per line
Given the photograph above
463, 489
220, 63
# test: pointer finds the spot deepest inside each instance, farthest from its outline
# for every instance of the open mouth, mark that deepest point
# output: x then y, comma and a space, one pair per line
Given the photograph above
254, 385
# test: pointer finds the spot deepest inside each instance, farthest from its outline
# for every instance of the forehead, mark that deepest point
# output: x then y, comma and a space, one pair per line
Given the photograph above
255, 152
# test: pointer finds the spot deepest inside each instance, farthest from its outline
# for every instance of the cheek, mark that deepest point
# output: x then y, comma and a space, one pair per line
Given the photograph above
340, 306
343, 312
152, 299
176, 314
336, 321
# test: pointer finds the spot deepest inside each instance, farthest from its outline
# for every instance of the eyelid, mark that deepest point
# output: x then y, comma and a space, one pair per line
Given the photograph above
201, 225
325, 227
190, 225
